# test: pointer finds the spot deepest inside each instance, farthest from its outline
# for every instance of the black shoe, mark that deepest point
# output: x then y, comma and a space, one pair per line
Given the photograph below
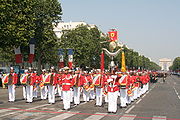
114, 112
63, 109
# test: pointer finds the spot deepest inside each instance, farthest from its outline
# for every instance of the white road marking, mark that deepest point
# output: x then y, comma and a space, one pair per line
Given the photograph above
159, 118
143, 96
62, 116
96, 117
127, 117
138, 101
25, 109
176, 92
130, 109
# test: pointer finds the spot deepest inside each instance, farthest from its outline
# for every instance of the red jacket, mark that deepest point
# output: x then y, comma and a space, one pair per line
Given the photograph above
6, 78
101, 79
66, 82
113, 88
78, 80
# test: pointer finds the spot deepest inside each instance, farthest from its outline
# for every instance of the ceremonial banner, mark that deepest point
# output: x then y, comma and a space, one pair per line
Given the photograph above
61, 58
123, 65
113, 36
102, 61
18, 55
70, 58
31, 46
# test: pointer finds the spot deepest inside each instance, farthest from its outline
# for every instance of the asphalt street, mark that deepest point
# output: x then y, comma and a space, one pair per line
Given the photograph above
161, 102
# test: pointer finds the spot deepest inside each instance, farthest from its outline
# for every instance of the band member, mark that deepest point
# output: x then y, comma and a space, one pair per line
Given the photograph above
66, 88
43, 88
52, 81
59, 85
29, 85
100, 79
23, 80
92, 87
86, 87
113, 91
123, 81
36, 85
77, 82
10, 80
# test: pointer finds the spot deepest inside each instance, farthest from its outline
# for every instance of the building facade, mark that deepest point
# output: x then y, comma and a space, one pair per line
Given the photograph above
61, 27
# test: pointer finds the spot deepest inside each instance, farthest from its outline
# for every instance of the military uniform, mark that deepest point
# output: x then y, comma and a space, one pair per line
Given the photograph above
66, 88
113, 91
10, 80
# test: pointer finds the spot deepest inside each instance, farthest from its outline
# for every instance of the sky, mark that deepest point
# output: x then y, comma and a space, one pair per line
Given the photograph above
150, 27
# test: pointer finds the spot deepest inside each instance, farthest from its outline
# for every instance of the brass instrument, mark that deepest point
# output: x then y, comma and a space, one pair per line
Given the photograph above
28, 79
51, 79
10, 79
77, 80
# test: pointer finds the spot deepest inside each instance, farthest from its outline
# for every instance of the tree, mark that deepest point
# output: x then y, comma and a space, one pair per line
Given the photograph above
47, 13
176, 64
16, 22
86, 43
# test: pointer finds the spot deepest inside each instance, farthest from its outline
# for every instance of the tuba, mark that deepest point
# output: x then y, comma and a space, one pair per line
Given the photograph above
10, 79
77, 80
28, 79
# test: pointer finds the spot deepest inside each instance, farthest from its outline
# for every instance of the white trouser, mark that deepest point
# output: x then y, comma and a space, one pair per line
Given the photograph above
132, 96
76, 95
35, 91
135, 93
147, 86
11, 91
24, 92
99, 96
59, 90
71, 95
123, 97
112, 104
51, 94
29, 90
92, 94
66, 99
128, 99
85, 95
44, 93
139, 92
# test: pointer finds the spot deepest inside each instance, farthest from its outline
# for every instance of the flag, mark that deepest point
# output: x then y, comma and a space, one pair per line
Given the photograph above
113, 35
31, 54
123, 64
18, 55
102, 61
70, 58
61, 58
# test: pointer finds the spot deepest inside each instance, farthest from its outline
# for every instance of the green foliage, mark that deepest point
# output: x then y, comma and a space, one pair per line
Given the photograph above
22, 20
6, 55
16, 22
86, 43
176, 64
136, 61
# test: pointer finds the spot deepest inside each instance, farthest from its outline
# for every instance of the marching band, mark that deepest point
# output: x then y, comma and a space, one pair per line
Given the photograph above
69, 84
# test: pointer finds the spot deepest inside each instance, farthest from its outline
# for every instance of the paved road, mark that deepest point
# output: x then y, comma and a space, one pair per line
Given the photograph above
161, 102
